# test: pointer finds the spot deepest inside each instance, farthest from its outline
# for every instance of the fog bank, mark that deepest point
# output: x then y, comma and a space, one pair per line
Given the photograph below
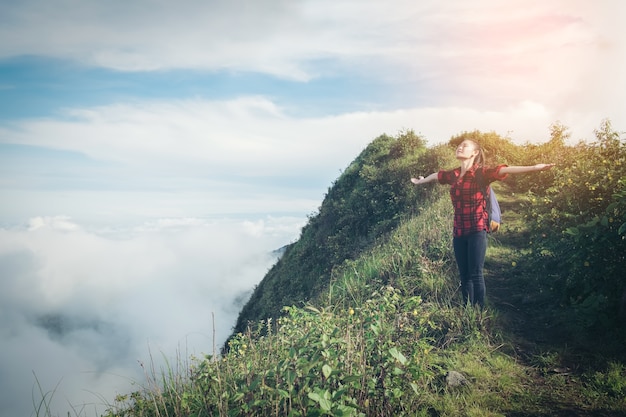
82, 309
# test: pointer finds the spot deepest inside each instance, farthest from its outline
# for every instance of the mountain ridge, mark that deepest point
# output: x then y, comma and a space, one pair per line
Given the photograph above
362, 316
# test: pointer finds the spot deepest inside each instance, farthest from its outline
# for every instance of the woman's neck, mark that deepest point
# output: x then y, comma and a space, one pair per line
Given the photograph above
466, 165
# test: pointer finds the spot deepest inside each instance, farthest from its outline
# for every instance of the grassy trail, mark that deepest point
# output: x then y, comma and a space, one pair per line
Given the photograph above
559, 365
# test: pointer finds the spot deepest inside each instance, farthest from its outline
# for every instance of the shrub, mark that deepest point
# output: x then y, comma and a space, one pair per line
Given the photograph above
578, 224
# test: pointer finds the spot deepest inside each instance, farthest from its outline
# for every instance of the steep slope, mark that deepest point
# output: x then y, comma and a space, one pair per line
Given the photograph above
365, 203
379, 329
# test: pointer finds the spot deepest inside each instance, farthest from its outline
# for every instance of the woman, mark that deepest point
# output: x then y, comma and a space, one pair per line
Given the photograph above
470, 212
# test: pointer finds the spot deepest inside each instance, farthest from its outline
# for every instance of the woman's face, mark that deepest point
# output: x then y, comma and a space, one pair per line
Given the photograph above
466, 150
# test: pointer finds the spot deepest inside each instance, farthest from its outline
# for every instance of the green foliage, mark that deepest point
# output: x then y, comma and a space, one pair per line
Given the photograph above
366, 202
368, 360
374, 319
497, 149
611, 382
375, 359
579, 228
553, 151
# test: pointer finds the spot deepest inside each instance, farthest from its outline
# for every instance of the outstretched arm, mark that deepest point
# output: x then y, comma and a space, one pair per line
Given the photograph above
421, 180
523, 169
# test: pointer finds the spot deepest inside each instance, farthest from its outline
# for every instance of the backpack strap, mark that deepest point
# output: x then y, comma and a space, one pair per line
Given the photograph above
494, 214
485, 189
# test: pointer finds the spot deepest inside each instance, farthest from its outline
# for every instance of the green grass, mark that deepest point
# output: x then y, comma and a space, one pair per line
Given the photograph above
381, 337
380, 342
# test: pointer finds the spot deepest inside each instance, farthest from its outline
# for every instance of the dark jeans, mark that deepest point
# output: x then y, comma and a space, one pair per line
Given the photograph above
470, 251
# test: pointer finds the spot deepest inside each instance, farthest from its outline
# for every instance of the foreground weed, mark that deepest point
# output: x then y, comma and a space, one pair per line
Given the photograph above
42, 405
612, 381
372, 359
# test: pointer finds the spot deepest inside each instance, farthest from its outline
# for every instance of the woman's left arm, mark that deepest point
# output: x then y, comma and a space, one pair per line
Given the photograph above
523, 169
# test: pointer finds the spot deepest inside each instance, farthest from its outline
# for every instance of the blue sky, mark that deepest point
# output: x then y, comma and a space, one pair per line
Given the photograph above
36, 86
276, 95
152, 153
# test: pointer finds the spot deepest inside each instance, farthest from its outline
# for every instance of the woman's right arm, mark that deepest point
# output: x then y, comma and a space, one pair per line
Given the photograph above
421, 180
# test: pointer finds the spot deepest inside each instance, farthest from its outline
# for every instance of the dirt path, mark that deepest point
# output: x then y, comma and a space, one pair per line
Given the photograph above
558, 365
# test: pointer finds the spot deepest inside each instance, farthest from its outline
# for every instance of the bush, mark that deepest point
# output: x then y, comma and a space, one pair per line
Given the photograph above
366, 202
579, 232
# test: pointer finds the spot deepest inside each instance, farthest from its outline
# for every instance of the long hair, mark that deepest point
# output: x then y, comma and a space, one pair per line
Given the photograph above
480, 159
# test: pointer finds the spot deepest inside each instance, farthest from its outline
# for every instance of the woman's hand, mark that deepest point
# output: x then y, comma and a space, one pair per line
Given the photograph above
543, 167
421, 180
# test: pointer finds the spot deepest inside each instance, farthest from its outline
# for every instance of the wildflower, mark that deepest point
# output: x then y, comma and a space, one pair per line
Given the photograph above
351, 312
513, 263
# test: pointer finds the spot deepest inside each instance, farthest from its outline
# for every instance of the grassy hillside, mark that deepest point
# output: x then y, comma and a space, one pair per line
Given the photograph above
363, 317
366, 202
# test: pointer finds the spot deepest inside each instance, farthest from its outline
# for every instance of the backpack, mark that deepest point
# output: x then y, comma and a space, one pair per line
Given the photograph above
493, 207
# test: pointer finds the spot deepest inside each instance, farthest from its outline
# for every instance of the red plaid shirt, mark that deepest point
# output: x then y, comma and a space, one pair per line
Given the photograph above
470, 206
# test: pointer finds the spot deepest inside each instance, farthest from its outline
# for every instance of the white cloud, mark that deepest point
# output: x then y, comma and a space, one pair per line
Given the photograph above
253, 137
248, 136
93, 298
55, 223
81, 307
455, 42
206, 158
486, 57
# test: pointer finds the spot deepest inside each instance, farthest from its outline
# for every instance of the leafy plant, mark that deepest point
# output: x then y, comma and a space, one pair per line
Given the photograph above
579, 232
362, 315
366, 202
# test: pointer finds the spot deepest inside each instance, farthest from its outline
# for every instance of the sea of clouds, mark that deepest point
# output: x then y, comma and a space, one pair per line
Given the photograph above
85, 312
